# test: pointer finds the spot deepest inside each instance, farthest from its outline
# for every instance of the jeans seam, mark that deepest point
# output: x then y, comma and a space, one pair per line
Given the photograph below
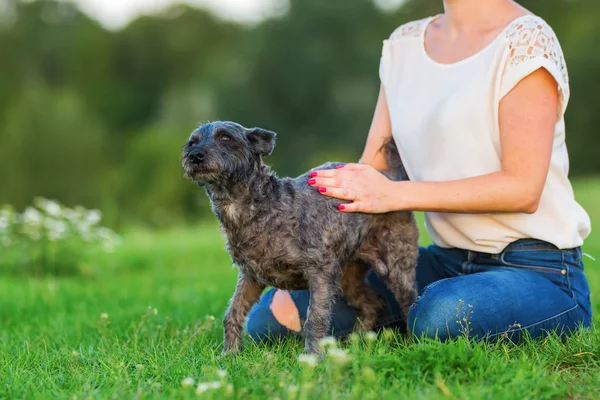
534, 324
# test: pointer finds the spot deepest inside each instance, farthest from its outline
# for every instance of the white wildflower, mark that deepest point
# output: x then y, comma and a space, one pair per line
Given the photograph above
206, 386
310, 360
339, 356
80, 212
52, 208
55, 229
188, 382
221, 373
104, 233
328, 341
104, 316
109, 239
370, 336
4, 220
31, 216
70, 215
93, 217
32, 221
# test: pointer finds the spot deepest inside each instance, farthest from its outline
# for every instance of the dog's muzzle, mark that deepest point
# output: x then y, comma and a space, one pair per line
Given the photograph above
196, 156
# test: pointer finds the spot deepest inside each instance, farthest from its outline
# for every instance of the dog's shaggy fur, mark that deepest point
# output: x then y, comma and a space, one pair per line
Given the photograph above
281, 232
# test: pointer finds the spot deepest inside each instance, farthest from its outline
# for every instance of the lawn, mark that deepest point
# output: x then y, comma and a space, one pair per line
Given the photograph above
150, 317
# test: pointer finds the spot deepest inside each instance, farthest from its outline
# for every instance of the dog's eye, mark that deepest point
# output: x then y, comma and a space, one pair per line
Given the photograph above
225, 138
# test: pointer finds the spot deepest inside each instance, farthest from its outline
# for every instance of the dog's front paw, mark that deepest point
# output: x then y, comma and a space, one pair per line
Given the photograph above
228, 354
312, 349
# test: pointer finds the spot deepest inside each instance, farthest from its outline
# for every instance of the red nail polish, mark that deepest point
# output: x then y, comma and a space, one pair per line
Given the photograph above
322, 189
312, 181
340, 166
341, 207
313, 174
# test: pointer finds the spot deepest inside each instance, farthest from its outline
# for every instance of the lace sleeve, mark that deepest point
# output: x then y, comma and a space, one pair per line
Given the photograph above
409, 30
534, 45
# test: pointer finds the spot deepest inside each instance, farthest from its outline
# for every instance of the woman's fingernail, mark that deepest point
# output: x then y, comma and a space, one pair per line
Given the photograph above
312, 181
340, 166
341, 207
313, 174
322, 189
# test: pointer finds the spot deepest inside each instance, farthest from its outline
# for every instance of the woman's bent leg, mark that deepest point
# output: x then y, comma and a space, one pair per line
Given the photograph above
505, 301
276, 316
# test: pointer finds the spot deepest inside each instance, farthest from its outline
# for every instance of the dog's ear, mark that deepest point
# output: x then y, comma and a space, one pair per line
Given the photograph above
262, 140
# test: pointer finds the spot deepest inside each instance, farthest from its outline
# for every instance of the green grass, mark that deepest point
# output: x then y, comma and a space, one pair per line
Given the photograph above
158, 293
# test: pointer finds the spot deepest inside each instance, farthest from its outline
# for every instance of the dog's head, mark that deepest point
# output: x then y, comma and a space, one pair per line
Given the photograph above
219, 152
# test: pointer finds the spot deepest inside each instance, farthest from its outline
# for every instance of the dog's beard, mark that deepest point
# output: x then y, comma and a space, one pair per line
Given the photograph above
195, 172
215, 171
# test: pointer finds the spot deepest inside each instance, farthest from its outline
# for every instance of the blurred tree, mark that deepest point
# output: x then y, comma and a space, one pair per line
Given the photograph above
52, 146
153, 191
311, 76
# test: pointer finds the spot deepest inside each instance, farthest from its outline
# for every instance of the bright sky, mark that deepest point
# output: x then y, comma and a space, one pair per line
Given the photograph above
117, 13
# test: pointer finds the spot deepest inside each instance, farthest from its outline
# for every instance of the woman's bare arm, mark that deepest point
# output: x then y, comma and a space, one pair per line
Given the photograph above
380, 130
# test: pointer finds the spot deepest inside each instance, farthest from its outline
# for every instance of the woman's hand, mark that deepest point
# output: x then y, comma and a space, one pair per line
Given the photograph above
368, 189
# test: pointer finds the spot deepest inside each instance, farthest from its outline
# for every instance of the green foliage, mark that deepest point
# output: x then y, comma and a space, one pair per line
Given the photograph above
97, 117
51, 145
142, 328
50, 239
152, 189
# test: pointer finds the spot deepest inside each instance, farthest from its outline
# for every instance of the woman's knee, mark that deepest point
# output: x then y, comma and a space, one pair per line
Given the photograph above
275, 316
441, 313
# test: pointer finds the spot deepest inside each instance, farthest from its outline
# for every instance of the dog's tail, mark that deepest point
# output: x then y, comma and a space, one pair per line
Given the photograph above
395, 171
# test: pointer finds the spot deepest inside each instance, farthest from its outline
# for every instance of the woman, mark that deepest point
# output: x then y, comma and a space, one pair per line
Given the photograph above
474, 99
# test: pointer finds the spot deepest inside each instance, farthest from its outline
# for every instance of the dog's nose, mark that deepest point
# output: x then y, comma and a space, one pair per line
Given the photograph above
196, 156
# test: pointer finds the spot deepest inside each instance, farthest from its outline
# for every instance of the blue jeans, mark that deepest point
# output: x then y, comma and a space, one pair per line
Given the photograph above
531, 286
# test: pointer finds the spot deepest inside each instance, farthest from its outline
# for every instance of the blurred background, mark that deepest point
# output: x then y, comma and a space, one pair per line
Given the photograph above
98, 96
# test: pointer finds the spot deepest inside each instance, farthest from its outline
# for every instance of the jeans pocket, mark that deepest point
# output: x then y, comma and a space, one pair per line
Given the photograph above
547, 261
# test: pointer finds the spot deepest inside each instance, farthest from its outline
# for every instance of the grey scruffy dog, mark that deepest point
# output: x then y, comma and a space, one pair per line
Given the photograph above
281, 232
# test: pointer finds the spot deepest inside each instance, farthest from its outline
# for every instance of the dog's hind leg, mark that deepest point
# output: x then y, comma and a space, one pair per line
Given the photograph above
323, 290
358, 295
247, 293
401, 261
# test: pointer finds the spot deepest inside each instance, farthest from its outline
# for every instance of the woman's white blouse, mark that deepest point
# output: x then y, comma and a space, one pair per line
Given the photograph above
445, 123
